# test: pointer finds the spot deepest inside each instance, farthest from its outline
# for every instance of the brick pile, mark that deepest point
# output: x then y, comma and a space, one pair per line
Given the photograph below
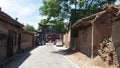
107, 52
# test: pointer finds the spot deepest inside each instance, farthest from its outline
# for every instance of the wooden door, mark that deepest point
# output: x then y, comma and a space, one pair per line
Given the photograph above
10, 44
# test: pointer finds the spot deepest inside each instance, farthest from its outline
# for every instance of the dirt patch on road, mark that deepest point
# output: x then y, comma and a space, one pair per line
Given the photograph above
86, 62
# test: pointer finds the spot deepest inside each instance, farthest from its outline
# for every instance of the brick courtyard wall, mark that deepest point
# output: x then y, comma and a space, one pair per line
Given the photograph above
11, 28
84, 41
5, 27
26, 41
35, 40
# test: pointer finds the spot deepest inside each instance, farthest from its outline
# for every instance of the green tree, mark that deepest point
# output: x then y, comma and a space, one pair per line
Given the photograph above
88, 7
85, 8
56, 11
42, 22
29, 28
61, 9
59, 26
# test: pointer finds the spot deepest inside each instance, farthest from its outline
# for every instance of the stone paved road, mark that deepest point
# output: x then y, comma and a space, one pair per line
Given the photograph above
43, 57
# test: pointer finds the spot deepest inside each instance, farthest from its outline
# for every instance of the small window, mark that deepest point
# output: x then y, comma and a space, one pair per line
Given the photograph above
75, 33
102, 22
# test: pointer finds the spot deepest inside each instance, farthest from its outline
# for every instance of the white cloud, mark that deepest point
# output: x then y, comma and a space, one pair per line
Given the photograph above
26, 10
18, 7
4, 3
117, 2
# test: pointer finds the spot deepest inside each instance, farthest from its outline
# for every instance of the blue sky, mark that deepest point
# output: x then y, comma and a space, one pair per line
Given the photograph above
27, 11
117, 2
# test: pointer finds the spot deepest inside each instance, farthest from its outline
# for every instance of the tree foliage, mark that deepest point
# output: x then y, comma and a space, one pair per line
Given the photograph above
85, 8
61, 9
55, 8
29, 28
56, 11
59, 26
96, 4
43, 21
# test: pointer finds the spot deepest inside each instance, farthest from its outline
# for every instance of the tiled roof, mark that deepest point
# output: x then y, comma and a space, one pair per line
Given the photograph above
113, 10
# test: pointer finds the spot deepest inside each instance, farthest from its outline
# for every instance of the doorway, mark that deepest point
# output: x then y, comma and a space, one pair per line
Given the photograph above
10, 44
19, 42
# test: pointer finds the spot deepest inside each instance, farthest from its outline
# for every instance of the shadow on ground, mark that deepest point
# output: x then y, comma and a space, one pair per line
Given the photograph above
19, 59
65, 52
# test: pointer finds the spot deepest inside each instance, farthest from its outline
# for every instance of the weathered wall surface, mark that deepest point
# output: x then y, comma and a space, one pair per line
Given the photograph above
5, 27
3, 48
66, 39
3, 42
116, 37
26, 41
35, 40
75, 43
107, 52
10, 31
84, 41
102, 30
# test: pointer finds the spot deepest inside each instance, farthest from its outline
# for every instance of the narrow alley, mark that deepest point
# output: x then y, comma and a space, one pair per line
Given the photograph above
46, 56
